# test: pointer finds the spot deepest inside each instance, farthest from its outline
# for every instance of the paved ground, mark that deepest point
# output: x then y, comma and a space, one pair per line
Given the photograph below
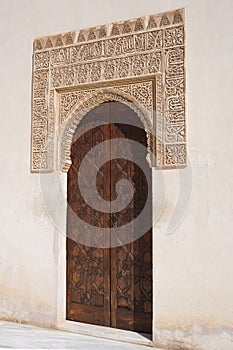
13, 335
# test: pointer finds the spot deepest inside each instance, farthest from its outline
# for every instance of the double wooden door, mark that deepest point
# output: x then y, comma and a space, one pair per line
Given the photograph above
109, 286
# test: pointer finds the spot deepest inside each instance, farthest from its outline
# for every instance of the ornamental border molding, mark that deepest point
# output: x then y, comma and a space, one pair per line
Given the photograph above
139, 62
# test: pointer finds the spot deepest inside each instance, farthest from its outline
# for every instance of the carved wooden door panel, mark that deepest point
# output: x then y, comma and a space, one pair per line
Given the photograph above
109, 286
131, 264
88, 282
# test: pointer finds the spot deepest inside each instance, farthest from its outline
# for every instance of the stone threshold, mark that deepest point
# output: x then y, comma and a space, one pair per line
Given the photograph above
106, 333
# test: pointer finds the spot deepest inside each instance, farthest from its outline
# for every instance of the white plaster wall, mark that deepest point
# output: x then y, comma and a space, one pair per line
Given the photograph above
193, 265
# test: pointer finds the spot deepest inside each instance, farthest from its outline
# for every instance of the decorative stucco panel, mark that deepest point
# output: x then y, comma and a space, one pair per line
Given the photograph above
140, 62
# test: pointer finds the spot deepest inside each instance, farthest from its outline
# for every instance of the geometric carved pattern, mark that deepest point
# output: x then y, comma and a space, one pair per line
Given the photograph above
141, 59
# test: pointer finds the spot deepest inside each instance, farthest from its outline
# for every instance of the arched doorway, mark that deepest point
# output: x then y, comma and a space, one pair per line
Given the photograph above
109, 286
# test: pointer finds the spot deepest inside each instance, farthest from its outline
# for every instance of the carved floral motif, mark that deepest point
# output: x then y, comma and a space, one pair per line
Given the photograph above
174, 36
175, 154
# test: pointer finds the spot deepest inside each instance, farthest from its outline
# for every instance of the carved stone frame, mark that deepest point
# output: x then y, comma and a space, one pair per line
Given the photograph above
140, 62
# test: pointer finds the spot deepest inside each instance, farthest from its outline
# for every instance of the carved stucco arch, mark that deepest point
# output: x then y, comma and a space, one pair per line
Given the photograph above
144, 57
85, 105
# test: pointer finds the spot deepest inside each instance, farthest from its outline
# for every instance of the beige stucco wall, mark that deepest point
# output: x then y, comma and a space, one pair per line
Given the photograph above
193, 264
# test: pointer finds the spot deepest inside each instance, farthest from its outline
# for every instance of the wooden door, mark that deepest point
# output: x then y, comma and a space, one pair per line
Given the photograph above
109, 286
